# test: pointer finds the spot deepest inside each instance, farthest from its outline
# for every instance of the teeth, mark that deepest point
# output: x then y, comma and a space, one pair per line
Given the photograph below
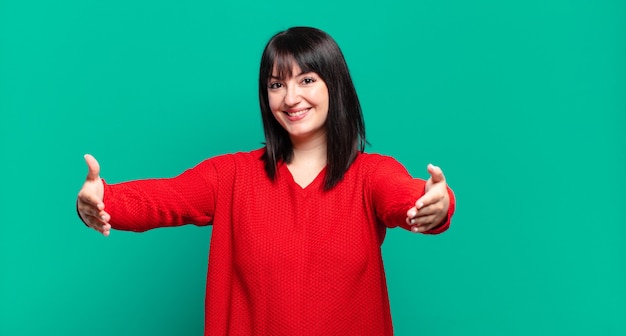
295, 114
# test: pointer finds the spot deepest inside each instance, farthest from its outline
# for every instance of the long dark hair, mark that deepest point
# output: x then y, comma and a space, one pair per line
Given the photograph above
314, 51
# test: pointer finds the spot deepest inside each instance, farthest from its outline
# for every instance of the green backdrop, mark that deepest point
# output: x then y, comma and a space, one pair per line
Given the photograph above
523, 104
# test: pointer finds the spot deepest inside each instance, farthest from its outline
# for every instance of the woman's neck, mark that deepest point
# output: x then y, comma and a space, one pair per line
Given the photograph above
309, 152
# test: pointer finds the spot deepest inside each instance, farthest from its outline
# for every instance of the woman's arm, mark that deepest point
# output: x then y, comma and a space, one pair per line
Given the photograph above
146, 204
414, 204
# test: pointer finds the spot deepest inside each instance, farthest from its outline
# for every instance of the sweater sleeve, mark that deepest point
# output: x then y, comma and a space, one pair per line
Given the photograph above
394, 192
141, 205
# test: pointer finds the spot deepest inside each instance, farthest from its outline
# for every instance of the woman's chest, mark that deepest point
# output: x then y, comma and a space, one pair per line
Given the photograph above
303, 230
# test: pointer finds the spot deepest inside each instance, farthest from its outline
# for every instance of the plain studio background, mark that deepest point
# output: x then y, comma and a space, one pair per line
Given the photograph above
523, 104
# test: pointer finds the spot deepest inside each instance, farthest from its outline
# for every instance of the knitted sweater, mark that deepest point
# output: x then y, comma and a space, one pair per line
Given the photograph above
284, 260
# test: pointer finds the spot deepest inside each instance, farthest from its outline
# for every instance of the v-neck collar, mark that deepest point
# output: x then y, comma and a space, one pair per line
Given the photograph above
315, 184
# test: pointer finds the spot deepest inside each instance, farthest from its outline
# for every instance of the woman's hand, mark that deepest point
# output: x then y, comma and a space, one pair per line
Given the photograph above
90, 203
432, 208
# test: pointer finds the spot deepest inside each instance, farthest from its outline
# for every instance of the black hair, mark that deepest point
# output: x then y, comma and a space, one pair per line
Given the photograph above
314, 51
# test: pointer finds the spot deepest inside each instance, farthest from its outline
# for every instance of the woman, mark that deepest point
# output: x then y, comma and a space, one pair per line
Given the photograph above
298, 224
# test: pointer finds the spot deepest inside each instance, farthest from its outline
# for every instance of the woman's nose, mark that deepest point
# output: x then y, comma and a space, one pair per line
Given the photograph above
292, 96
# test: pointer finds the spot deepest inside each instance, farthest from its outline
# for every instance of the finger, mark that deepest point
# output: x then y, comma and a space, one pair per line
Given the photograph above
93, 167
421, 221
436, 173
89, 208
433, 206
428, 210
102, 216
106, 230
94, 222
85, 212
421, 229
98, 225
431, 197
412, 212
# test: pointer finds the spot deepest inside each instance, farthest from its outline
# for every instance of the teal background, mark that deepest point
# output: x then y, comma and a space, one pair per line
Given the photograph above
522, 103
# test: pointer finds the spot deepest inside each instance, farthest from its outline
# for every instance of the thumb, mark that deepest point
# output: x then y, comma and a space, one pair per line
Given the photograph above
436, 174
93, 167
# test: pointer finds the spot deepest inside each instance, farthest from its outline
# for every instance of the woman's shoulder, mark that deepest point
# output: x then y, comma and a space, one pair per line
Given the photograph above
378, 162
254, 154
374, 158
231, 160
228, 165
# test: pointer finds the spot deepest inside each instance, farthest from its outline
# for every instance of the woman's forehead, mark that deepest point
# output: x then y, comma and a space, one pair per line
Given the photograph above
286, 70
286, 66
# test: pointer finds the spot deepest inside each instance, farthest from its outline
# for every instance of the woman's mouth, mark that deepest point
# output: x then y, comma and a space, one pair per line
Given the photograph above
297, 114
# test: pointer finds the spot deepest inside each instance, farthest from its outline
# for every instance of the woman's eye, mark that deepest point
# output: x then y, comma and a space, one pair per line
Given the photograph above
308, 80
274, 85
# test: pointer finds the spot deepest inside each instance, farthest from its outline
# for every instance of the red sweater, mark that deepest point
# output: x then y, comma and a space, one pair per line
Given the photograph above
284, 260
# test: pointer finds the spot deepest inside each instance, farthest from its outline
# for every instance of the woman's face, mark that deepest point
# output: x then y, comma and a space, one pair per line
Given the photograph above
299, 103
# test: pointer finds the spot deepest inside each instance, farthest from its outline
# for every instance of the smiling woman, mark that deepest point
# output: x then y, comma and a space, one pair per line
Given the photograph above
298, 224
306, 57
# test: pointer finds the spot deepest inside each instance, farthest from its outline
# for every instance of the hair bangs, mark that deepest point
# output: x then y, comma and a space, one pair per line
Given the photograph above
285, 56
282, 65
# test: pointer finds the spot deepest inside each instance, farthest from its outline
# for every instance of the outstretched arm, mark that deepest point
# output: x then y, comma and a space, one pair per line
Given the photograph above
142, 205
411, 203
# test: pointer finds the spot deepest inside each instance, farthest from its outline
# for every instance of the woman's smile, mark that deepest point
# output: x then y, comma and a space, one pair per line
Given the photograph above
297, 114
